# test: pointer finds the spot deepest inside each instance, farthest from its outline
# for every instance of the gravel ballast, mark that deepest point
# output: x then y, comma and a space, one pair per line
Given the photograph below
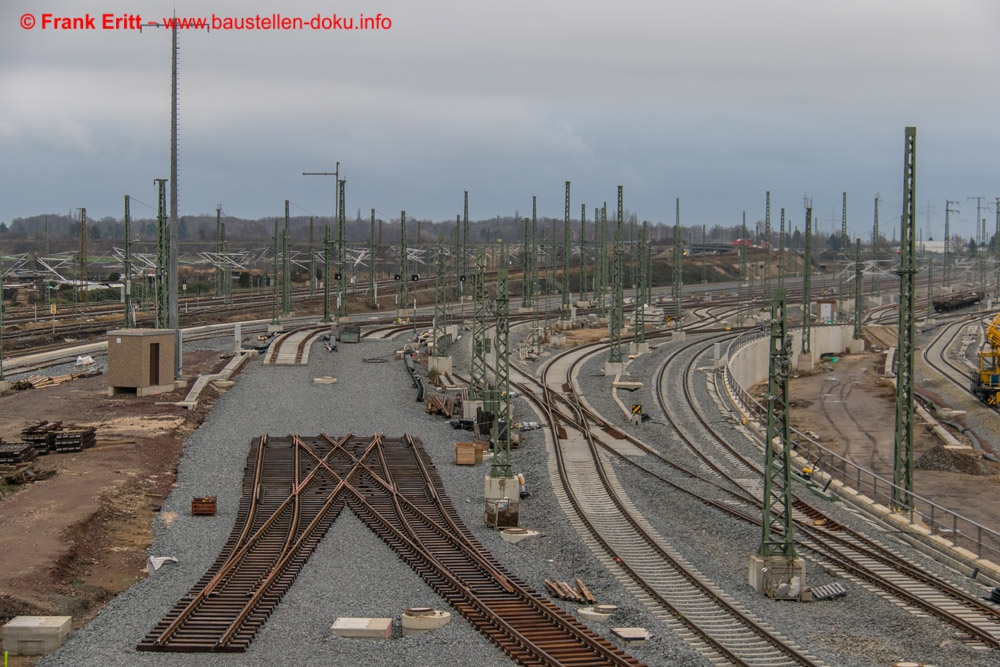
353, 573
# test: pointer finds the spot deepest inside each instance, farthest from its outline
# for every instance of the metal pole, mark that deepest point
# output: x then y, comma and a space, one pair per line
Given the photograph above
902, 473
564, 313
127, 269
617, 297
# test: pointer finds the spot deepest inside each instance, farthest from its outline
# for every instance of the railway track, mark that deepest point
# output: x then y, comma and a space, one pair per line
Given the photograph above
678, 593
855, 555
295, 488
729, 482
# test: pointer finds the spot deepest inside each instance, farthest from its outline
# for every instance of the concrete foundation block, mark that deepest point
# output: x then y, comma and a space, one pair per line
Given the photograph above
422, 619
439, 364
678, 335
35, 635
631, 635
602, 612
469, 409
638, 348
856, 346
498, 488
4, 386
362, 628
515, 535
274, 328
612, 369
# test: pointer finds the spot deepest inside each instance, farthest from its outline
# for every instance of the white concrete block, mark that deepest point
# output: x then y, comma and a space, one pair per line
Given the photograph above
362, 628
35, 635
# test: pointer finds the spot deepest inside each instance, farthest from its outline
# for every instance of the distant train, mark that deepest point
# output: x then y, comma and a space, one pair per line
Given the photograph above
949, 302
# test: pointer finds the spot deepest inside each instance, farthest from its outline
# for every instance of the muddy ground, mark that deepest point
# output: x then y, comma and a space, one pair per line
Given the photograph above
852, 410
71, 542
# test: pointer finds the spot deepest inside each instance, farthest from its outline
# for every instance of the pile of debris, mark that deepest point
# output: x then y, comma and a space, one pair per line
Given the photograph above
42, 381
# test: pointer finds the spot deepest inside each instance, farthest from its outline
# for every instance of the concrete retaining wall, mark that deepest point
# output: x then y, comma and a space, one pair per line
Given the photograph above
749, 364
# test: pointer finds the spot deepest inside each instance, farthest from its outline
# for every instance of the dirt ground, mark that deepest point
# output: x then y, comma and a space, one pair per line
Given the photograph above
852, 410
71, 542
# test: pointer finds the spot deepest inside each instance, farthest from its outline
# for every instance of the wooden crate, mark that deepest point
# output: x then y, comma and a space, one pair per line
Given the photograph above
465, 454
203, 506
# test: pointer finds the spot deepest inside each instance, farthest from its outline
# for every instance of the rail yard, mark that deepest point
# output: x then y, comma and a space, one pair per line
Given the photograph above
342, 499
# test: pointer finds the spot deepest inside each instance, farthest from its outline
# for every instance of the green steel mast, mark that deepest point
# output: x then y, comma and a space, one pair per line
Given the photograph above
777, 536
126, 278
341, 252
326, 275
286, 281
440, 325
678, 268
766, 245
565, 310
617, 296
781, 251
501, 451
372, 287
807, 286
640, 290
162, 257
875, 249
858, 297
902, 471
601, 262
583, 252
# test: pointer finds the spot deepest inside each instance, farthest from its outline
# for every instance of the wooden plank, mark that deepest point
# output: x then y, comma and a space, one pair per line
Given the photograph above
585, 592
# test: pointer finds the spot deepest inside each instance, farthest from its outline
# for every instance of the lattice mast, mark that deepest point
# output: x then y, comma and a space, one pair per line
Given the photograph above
859, 302
875, 251
742, 297
81, 272
127, 270
948, 210
312, 260
526, 263
565, 309
583, 252
220, 267
617, 296
765, 283
274, 278
372, 252
477, 383
327, 243
777, 536
678, 261
781, 251
601, 262
341, 250
162, 284
286, 266
902, 471
501, 458
807, 286
440, 302
640, 289
402, 291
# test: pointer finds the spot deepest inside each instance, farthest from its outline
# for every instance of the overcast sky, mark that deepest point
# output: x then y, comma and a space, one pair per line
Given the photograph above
714, 101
